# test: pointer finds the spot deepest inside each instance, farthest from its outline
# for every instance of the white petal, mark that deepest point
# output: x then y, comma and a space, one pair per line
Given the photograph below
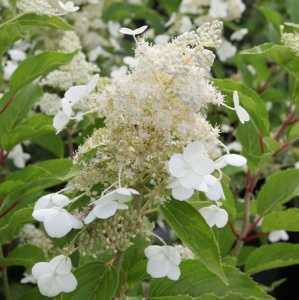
89, 218
214, 191
72, 96
172, 254
222, 218
194, 150
44, 202
122, 206
235, 160
152, 251
191, 180
67, 283
76, 223
236, 99
61, 264
242, 114
47, 285
91, 85
214, 215
180, 193
140, 30
177, 166
277, 235
105, 210
60, 200
157, 268
174, 272
41, 214
127, 31
40, 269
57, 223
60, 121
203, 166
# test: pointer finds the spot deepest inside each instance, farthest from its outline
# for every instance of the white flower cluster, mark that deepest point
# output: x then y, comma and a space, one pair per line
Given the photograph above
291, 40
47, 7
196, 12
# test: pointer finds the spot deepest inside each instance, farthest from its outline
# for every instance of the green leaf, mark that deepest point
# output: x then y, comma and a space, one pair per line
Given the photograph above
17, 110
14, 29
294, 132
33, 127
252, 102
51, 142
292, 9
253, 144
26, 255
15, 224
192, 229
272, 16
170, 6
278, 189
133, 266
272, 256
282, 220
197, 281
36, 66
120, 11
280, 54
44, 174
95, 281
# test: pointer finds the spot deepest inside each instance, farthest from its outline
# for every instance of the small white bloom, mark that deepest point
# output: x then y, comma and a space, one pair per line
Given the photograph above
163, 261
226, 51
239, 34
9, 68
128, 31
57, 221
235, 160
214, 216
214, 188
278, 235
72, 97
296, 165
18, 157
234, 146
110, 203
179, 192
28, 278
218, 9
191, 166
60, 121
192, 171
55, 277
68, 7
17, 54
242, 114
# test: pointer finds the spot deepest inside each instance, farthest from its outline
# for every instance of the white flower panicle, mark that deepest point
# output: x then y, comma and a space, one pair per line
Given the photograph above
47, 7
58, 222
55, 277
163, 261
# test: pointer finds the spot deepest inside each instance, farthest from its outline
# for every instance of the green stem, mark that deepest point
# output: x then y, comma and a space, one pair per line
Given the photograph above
7, 292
